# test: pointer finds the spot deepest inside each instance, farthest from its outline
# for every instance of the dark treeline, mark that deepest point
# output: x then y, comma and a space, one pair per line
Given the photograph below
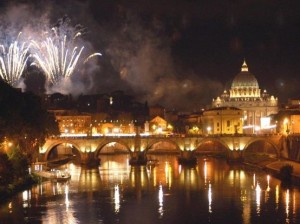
24, 124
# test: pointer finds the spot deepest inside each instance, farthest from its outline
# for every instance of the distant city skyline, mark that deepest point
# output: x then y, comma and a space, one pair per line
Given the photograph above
180, 54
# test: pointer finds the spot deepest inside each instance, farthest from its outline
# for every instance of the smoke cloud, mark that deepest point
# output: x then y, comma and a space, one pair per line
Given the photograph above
138, 52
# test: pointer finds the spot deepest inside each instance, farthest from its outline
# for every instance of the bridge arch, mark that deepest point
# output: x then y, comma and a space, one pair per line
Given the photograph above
174, 149
56, 143
224, 146
263, 149
111, 141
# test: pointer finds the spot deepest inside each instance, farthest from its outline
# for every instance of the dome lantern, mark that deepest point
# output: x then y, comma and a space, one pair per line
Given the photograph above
244, 67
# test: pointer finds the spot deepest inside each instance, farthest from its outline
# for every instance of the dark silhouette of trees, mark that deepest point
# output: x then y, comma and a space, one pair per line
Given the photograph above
23, 120
6, 170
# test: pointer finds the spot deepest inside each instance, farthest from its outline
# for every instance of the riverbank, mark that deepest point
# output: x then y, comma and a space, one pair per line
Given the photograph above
273, 167
9, 191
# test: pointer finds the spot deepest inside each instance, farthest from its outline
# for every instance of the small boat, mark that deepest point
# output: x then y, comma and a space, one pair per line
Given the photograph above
54, 175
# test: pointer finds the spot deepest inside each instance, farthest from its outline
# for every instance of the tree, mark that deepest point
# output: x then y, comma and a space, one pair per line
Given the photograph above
23, 120
6, 174
19, 162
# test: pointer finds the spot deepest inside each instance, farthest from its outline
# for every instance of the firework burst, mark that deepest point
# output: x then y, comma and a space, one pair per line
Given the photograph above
57, 59
13, 60
59, 55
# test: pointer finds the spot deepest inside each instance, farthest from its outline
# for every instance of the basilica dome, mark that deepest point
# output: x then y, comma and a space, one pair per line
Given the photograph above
244, 79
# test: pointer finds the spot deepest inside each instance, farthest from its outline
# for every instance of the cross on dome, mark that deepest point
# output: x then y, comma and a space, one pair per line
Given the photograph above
244, 67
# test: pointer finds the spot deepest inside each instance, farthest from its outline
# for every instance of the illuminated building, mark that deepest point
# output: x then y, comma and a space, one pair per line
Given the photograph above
74, 124
290, 117
294, 124
223, 120
83, 125
246, 95
288, 121
192, 123
159, 125
293, 104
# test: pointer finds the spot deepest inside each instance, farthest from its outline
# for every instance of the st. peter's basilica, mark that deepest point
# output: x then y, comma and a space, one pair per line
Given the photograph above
246, 95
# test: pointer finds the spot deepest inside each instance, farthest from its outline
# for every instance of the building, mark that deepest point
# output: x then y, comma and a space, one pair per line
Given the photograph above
84, 124
246, 95
74, 124
288, 118
223, 120
190, 123
158, 126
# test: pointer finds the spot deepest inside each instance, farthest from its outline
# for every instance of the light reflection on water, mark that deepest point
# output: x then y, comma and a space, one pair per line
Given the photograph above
213, 192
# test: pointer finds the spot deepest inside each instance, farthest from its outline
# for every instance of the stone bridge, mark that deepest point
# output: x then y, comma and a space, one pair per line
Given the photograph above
233, 145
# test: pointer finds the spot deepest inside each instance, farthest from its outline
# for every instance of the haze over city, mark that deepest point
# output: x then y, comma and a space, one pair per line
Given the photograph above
179, 54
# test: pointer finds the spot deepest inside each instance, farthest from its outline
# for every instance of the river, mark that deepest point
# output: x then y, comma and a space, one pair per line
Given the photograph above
211, 192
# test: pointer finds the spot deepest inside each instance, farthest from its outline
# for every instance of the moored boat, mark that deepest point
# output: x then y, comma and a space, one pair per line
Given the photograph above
55, 175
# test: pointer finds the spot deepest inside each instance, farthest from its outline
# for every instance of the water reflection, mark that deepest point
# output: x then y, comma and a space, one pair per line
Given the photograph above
26, 197
213, 191
160, 201
117, 198
258, 196
268, 182
287, 204
189, 179
209, 195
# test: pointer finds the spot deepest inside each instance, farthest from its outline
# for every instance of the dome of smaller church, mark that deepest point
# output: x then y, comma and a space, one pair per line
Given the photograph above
244, 79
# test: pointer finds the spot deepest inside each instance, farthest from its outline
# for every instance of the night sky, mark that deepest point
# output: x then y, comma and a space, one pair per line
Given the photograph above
177, 53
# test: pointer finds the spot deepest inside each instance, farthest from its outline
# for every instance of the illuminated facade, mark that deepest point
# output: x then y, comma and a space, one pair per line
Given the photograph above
71, 123
293, 125
113, 128
223, 120
74, 124
246, 95
288, 123
159, 125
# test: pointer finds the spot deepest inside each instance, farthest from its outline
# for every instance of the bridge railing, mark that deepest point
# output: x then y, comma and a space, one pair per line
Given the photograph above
164, 136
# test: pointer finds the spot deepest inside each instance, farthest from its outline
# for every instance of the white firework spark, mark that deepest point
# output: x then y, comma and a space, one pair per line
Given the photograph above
56, 58
91, 56
13, 60
59, 57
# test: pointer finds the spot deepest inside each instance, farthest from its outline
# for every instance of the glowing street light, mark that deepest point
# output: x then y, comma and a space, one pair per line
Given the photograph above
6, 144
